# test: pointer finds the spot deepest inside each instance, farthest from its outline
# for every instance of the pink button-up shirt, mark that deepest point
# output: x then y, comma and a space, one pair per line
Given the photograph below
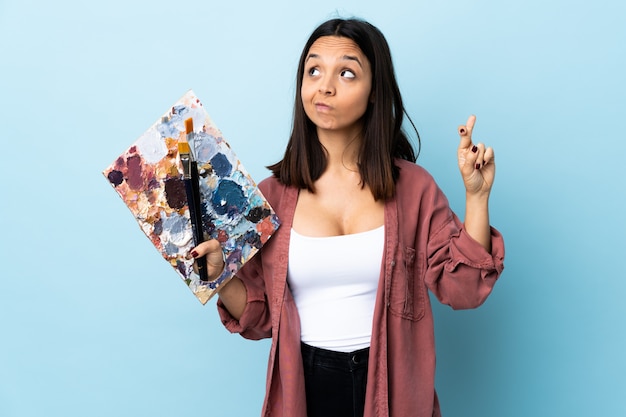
426, 248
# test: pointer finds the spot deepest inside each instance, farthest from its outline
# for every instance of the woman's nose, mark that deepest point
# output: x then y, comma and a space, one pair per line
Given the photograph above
326, 87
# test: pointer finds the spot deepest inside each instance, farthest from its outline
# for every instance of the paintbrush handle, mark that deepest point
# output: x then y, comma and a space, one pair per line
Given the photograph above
192, 188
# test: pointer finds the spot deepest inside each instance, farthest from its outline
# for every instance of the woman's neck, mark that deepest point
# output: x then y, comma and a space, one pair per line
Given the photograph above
342, 148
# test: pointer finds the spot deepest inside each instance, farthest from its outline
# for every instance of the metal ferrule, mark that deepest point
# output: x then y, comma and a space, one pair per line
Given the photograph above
185, 160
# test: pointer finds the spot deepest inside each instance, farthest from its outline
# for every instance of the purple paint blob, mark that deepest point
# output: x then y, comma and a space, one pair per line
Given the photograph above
153, 184
207, 221
135, 172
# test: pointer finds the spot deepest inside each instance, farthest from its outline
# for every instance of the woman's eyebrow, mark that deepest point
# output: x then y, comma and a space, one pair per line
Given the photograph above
311, 56
353, 58
345, 57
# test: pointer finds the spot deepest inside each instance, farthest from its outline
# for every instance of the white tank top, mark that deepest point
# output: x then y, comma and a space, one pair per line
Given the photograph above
333, 281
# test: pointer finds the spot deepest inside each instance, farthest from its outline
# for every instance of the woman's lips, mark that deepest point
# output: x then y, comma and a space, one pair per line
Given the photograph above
322, 107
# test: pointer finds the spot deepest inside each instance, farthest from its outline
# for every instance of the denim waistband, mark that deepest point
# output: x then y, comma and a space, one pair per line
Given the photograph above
338, 360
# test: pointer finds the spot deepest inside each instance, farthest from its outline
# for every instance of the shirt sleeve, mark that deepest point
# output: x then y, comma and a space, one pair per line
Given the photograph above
460, 272
255, 322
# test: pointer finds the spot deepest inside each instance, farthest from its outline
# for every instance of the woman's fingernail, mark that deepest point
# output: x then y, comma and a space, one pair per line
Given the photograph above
474, 148
477, 166
194, 253
462, 131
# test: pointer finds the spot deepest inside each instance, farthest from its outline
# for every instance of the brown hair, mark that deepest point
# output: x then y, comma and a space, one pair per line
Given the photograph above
383, 137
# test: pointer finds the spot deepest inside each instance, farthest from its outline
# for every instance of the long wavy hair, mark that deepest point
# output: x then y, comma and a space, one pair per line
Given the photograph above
384, 139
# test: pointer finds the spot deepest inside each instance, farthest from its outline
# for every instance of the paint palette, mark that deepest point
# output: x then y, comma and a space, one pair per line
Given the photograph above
148, 177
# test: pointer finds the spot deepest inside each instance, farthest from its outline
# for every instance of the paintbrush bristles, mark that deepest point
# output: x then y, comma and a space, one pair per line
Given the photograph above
189, 125
183, 147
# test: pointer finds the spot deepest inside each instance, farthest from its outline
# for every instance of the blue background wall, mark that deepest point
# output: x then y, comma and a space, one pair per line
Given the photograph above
94, 323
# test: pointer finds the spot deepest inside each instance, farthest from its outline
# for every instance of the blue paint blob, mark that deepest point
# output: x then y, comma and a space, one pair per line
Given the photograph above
221, 165
158, 227
228, 198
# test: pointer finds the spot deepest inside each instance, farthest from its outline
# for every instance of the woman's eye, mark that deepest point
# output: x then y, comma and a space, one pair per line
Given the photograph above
347, 74
314, 71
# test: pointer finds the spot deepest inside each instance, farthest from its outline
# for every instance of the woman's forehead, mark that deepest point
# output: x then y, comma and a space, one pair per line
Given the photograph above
335, 45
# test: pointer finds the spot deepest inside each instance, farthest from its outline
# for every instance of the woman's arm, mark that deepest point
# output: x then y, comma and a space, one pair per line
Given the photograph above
234, 296
478, 168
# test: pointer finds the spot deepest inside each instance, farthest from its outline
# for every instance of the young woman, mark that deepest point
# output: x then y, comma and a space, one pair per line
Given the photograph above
341, 288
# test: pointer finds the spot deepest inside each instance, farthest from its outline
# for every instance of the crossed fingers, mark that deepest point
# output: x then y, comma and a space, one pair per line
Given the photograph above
479, 155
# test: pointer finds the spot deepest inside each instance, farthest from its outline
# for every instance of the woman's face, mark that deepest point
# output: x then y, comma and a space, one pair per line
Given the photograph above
336, 85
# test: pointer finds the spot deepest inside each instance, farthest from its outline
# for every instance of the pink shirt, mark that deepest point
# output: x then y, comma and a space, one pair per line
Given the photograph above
426, 248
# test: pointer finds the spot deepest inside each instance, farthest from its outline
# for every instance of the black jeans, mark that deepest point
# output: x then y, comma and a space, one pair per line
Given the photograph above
335, 382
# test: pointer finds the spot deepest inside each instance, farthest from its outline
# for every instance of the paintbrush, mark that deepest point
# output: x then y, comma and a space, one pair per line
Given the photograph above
192, 189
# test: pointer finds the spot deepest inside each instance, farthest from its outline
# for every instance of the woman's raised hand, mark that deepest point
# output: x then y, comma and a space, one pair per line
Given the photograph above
476, 163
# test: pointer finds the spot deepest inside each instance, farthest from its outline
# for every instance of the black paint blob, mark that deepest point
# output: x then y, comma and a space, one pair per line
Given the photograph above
175, 193
115, 177
257, 214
